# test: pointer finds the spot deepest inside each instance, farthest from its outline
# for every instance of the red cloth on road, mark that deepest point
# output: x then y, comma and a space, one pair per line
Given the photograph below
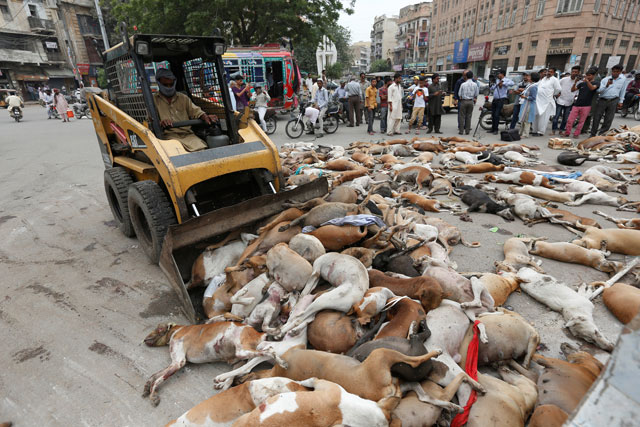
471, 367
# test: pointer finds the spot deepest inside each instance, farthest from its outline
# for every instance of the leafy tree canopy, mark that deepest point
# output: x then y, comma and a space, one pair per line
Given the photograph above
243, 22
379, 66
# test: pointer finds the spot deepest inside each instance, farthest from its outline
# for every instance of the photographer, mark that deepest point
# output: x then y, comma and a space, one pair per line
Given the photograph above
565, 99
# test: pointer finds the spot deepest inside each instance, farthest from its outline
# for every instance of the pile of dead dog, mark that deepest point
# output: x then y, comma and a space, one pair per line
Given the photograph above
354, 301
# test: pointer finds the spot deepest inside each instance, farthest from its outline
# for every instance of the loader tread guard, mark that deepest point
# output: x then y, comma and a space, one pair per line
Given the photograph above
183, 243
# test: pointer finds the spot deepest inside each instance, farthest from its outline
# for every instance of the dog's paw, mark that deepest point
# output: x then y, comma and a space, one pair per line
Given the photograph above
155, 399
146, 391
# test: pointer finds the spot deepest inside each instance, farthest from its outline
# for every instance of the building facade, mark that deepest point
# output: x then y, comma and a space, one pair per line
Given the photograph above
528, 34
412, 37
42, 42
326, 54
383, 37
360, 52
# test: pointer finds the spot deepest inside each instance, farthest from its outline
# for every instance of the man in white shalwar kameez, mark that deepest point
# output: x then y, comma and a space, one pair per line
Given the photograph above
395, 106
548, 88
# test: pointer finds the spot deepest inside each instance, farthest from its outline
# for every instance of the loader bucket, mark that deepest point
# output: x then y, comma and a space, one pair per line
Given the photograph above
183, 243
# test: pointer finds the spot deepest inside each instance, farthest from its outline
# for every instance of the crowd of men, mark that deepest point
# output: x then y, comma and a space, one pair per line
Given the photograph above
571, 103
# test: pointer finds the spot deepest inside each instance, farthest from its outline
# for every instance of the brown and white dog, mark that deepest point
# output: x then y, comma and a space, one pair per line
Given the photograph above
419, 175
478, 168
424, 289
227, 406
500, 286
327, 405
210, 342
522, 178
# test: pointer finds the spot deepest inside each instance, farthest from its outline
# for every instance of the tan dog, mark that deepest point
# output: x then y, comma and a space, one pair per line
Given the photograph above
288, 268
334, 237
350, 175
616, 240
624, 223
424, 289
332, 331
506, 403
469, 149
568, 252
449, 235
281, 232
327, 405
227, 406
341, 165
572, 218
402, 315
565, 383
477, 168
370, 379
428, 146
545, 193
548, 416
516, 255
364, 159
623, 301
307, 246
510, 337
364, 255
211, 342
426, 157
414, 413
418, 174
430, 205
500, 286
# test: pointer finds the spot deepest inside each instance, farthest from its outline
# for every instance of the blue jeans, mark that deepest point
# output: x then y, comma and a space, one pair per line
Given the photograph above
564, 110
516, 116
383, 119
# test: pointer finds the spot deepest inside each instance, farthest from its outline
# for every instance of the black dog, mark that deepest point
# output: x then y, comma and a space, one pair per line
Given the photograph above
479, 201
569, 158
489, 157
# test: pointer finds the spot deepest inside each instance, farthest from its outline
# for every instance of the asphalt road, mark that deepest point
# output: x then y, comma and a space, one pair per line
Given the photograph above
78, 297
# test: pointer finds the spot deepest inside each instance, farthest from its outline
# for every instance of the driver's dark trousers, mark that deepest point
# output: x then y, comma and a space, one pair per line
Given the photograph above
496, 108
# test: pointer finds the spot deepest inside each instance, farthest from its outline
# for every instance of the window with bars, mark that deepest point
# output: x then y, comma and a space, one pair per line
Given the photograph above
609, 42
632, 6
530, 62
621, 10
540, 11
615, 9
568, 6
513, 16
596, 6
534, 44
608, 7
561, 42
636, 45
499, 24
587, 41
624, 43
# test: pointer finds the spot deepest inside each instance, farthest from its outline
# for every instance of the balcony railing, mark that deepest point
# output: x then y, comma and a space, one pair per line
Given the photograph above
41, 25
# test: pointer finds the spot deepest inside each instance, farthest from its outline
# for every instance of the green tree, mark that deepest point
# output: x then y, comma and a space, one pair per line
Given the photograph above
380, 65
335, 71
243, 22
102, 78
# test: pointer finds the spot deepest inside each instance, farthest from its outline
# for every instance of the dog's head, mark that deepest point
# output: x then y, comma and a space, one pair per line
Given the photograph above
160, 335
506, 213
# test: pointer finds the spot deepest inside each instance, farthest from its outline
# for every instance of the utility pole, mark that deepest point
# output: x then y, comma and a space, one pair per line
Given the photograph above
105, 39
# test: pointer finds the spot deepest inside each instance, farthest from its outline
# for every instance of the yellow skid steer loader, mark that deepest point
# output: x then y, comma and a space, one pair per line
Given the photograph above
178, 202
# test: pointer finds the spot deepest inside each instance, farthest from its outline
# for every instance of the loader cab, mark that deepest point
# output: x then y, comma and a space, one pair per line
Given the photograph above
197, 64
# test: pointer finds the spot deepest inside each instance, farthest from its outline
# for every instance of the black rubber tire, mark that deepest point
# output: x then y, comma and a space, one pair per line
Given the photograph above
272, 125
151, 215
330, 125
116, 186
294, 133
636, 114
486, 121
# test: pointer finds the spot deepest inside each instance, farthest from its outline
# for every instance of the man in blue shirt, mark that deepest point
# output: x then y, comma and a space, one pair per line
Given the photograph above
610, 98
500, 97
341, 96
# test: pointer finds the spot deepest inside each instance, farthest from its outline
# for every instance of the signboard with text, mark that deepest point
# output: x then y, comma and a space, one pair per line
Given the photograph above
479, 52
460, 51
83, 69
613, 60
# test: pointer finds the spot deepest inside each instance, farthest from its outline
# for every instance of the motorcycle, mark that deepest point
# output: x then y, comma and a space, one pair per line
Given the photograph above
54, 111
16, 114
81, 109
633, 109
407, 107
486, 120
269, 119
296, 126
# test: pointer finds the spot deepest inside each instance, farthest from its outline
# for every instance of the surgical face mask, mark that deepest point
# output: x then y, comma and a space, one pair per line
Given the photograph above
167, 91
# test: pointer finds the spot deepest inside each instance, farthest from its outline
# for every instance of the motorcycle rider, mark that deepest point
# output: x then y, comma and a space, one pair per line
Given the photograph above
14, 101
633, 93
48, 101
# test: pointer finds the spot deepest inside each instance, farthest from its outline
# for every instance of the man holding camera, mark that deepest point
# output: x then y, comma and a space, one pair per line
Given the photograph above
610, 97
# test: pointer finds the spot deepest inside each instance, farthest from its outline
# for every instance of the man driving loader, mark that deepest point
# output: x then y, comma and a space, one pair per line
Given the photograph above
174, 107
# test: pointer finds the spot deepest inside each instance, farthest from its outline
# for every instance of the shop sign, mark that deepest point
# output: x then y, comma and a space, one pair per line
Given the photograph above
440, 61
51, 45
559, 51
479, 52
503, 50
83, 69
460, 51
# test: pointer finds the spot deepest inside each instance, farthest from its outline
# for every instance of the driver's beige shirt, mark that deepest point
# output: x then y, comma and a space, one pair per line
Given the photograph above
180, 109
